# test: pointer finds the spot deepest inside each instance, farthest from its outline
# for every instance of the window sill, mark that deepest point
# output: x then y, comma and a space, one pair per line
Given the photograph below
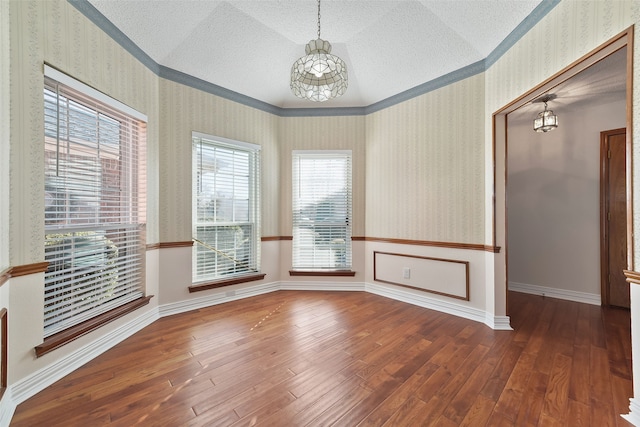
226, 282
70, 334
335, 273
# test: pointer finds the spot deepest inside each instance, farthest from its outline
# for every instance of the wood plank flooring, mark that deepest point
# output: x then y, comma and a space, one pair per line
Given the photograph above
353, 359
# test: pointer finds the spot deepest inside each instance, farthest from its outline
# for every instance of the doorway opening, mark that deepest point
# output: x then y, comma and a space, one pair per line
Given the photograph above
567, 78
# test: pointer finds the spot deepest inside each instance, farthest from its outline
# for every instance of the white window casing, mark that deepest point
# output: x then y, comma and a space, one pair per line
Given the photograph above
95, 202
322, 199
226, 208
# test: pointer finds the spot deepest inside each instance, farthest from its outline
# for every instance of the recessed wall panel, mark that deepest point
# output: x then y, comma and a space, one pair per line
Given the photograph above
448, 277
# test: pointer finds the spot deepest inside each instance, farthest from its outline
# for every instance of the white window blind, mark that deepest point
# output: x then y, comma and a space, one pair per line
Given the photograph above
322, 210
95, 204
226, 200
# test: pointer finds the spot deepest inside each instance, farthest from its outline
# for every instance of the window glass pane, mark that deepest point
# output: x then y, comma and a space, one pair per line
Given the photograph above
225, 211
321, 210
94, 207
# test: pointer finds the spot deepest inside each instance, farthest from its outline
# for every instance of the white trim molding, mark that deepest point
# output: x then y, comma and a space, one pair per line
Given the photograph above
634, 412
23, 389
421, 299
498, 323
69, 81
7, 408
576, 296
94, 15
322, 286
218, 296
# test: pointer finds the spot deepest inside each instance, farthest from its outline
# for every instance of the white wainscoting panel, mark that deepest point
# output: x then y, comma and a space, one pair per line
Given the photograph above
448, 277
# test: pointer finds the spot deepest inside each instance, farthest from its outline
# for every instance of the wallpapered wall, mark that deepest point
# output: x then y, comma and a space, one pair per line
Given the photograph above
569, 31
183, 110
425, 166
323, 133
4, 135
55, 33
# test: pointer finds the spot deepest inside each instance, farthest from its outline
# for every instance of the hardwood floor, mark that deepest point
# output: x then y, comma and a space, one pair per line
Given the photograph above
353, 359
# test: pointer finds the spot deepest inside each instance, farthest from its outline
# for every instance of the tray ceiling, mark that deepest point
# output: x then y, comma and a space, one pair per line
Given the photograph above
248, 46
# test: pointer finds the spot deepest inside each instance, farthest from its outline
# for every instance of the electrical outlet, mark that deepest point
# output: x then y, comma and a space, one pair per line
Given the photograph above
406, 273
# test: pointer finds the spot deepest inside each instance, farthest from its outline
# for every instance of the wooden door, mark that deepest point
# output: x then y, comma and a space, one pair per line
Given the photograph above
613, 214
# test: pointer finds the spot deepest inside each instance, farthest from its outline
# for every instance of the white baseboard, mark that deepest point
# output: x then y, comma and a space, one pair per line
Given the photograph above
216, 298
634, 412
583, 297
498, 323
7, 408
322, 286
422, 299
25, 388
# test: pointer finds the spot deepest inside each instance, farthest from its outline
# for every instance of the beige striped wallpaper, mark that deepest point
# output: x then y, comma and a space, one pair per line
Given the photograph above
323, 133
4, 135
425, 166
636, 139
56, 33
183, 110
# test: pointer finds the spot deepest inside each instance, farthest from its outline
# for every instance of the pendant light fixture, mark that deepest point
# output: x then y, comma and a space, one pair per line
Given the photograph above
319, 75
546, 120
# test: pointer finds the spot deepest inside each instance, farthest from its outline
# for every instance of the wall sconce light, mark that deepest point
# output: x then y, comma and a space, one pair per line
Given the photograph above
546, 120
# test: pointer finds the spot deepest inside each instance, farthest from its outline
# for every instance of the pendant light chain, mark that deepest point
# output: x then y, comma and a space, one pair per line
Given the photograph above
318, 18
318, 76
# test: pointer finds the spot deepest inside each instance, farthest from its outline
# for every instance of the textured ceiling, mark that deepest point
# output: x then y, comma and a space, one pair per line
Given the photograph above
248, 46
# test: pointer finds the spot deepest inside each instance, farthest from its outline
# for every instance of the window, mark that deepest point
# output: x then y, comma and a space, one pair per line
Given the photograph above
226, 177
321, 210
94, 203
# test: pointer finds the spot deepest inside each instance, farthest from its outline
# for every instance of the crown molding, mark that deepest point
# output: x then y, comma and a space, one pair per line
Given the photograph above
94, 15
